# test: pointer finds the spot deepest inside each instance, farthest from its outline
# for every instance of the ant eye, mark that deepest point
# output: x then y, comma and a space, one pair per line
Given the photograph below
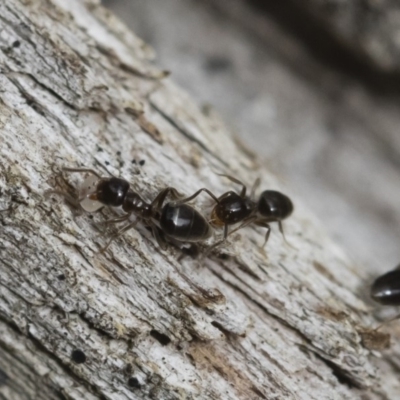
112, 192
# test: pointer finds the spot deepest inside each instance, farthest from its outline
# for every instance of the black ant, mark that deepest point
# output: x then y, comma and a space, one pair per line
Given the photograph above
386, 288
232, 208
169, 222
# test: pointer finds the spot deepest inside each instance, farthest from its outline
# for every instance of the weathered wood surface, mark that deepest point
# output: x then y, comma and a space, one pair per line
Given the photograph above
288, 323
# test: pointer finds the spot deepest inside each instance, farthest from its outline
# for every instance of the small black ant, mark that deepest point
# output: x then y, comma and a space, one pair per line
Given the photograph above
386, 291
232, 208
386, 288
169, 222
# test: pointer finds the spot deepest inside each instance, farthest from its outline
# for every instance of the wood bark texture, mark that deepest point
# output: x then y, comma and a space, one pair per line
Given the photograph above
287, 322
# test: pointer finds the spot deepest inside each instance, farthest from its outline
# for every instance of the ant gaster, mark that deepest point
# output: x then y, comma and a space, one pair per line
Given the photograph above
232, 208
169, 222
386, 288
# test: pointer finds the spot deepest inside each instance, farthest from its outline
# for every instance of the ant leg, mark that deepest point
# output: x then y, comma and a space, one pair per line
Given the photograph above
114, 211
283, 235
118, 234
266, 234
186, 249
157, 203
264, 225
193, 196
70, 199
82, 171
159, 239
396, 317
231, 178
245, 223
255, 186
213, 246
114, 220
174, 193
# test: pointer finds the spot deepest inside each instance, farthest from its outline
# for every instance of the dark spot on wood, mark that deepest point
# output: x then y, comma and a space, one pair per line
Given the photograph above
61, 277
16, 44
375, 340
133, 161
78, 356
340, 374
118, 153
3, 378
258, 392
160, 337
134, 383
324, 271
225, 331
332, 314
141, 162
220, 327
245, 268
99, 148
149, 128
223, 256
36, 107
106, 162
217, 64
128, 368
60, 395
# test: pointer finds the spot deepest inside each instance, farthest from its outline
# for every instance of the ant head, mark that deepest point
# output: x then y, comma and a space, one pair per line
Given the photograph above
274, 205
110, 191
386, 288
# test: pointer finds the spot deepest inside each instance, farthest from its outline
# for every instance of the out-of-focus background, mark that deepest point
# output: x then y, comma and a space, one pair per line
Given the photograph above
312, 86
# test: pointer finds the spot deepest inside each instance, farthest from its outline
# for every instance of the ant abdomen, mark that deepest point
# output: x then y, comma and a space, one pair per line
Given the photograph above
184, 223
274, 206
386, 288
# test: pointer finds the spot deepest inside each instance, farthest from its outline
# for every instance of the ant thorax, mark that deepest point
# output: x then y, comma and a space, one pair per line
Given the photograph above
87, 188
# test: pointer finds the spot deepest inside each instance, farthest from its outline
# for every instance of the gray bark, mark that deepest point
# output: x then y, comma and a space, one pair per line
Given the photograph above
78, 88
